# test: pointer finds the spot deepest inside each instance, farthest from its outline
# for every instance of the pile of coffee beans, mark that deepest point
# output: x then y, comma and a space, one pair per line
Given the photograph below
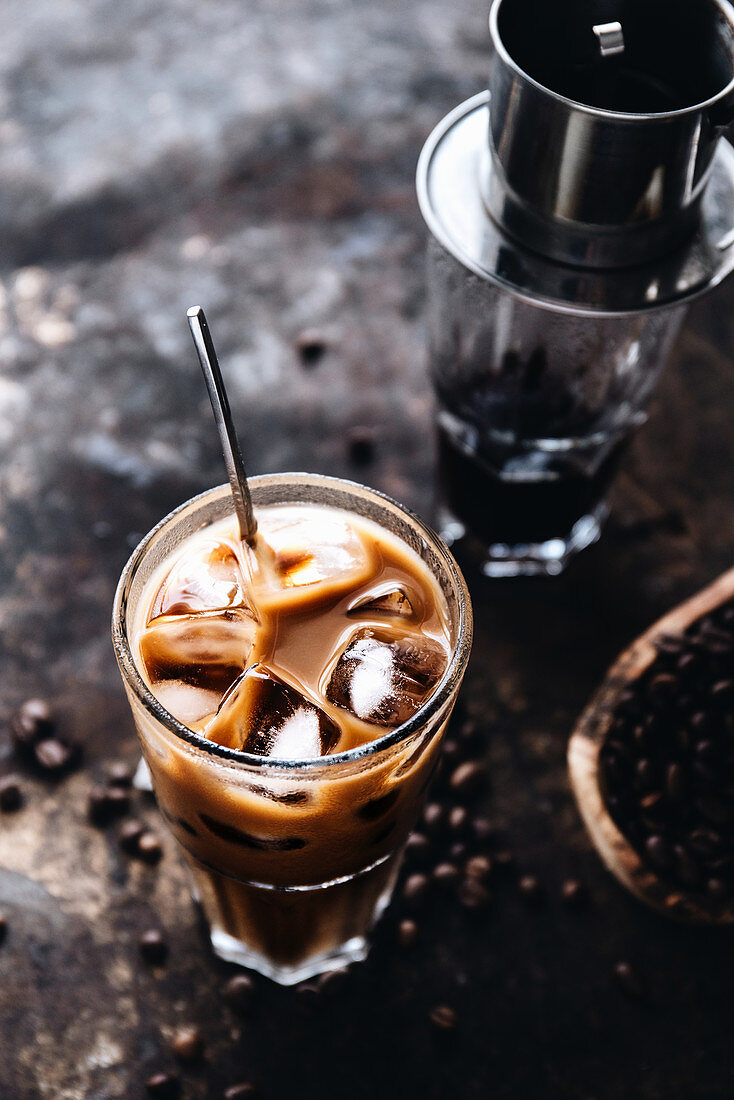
667, 764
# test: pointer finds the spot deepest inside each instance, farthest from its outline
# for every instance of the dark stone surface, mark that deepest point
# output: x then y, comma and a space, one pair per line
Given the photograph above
259, 159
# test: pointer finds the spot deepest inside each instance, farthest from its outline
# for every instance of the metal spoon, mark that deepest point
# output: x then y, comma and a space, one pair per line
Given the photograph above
222, 415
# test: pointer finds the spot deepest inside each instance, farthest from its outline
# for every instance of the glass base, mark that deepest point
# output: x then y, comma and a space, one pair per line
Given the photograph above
540, 559
235, 951
292, 933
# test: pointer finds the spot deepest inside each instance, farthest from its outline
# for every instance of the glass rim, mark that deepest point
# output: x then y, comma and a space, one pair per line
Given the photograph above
446, 685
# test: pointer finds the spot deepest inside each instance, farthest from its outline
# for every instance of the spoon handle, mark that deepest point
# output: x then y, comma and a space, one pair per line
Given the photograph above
223, 416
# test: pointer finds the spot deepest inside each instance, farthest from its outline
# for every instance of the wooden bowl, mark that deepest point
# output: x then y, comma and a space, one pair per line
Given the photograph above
583, 762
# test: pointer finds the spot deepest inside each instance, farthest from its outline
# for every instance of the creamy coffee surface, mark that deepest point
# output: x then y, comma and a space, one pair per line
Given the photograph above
335, 633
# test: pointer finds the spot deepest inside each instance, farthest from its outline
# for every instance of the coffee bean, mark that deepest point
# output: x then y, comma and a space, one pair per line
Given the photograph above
704, 843
407, 933
663, 689
457, 851
119, 775
714, 809
686, 869
153, 947
469, 731
163, 1086
675, 783
415, 888
443, 1017
244, 1091
187, 1044
33, 720
482, 829
472, 894
458, 818
479, 867
718, 889
445, 874
573, 893
3, 928
433, 817
239, 992
628, 980
129, 836
149, 848
53, 756
334, 981
107, 803
11, 794
361, 443
659, 852
468, 778
309, 994
530, 888
311, 346
504, 861
451, 750
417, 847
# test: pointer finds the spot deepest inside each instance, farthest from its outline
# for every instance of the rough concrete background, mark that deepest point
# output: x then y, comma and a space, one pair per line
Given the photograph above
259, 159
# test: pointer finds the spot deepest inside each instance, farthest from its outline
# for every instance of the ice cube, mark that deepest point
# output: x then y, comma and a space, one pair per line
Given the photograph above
207, 578
187, 703
264, 715
388, 601
206, 650
309, 549
384, 678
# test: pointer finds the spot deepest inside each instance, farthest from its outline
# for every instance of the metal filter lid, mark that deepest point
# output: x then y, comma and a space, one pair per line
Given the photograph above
454, 175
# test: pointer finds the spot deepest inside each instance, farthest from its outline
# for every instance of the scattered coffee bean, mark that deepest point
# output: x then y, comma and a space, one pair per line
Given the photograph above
187, 1044
107, 803
149, 848
119, 775
458, 818
153, 947
33, 720
418, 847
244, 1091
446, 874
573, 893
415, 888
309, 994
479, 867
407, 933
468, 730
468, 778
361, 445
628, 979
457, 851
164, 1086
451, 750
433, 817
129, 836
333, 981
530, 888
53, 756
239, 992
444, 1017
310, 345
472, 894
11, 794
482, 829
3, 928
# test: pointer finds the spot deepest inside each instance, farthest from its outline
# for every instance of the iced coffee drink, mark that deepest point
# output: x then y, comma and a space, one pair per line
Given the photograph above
290, 704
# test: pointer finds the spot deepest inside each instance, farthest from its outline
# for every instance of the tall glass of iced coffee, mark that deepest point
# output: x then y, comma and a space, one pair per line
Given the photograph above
291, 705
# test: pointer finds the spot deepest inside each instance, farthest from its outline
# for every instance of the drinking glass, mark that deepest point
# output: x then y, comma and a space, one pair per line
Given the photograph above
292, 861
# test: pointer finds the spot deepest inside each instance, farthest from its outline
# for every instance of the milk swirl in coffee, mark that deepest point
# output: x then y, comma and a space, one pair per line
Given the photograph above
333, 634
